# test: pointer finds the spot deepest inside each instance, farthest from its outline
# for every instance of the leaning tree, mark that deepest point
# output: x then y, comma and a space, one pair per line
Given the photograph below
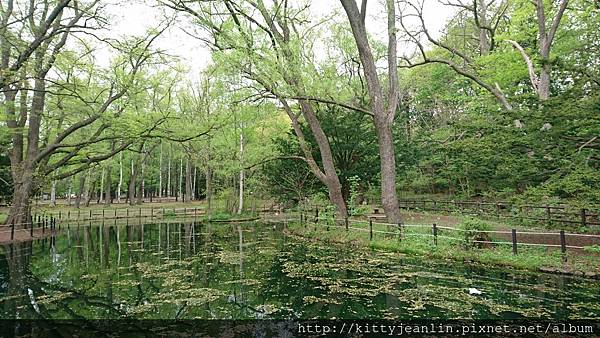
57, 107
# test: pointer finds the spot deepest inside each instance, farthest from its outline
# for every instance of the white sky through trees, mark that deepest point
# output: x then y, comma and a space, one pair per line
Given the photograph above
128, 18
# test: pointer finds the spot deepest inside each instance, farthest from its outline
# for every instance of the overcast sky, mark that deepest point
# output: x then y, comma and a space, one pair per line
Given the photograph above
135, 17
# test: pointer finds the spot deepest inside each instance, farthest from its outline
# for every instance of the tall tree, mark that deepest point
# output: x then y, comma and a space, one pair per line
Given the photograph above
546, 35
461, 61
79, 107
275, 28
384, 105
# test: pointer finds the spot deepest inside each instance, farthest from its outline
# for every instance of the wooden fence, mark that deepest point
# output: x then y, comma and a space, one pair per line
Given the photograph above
466, 236
52, 221
547, 214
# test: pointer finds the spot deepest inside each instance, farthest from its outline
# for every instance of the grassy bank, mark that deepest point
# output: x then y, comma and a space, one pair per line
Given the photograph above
416, 241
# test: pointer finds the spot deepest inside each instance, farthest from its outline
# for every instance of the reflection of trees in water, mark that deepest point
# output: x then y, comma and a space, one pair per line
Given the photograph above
17, 265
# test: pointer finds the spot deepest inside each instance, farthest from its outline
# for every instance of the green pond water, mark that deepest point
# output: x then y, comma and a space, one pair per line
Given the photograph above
229, 271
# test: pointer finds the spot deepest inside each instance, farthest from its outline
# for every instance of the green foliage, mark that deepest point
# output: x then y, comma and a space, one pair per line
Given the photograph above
474, 230
354, 148
592, 249
221, 216
355, 208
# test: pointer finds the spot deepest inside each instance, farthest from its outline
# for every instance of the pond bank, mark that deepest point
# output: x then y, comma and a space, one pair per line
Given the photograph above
531, 259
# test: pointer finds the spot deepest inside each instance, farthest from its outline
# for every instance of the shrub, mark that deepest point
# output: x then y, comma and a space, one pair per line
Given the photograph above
475, 231
221, 216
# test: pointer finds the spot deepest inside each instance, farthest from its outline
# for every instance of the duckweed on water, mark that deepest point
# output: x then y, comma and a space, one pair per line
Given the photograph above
268, 275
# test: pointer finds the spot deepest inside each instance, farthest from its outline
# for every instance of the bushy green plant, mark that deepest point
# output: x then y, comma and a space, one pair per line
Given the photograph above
474, 230
221, 216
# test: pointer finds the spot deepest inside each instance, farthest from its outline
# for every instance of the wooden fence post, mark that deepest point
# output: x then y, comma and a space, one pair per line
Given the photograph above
127, 209
316, 214
399, 232
514, 241
346, 223
434, 234
12, 230
90, 213
583, 218
370, 228
563, 245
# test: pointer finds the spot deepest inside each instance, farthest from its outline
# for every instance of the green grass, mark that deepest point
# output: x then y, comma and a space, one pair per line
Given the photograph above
3, 217
414, 242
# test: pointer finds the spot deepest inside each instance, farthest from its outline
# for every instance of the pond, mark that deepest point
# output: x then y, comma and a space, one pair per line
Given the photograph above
188, 270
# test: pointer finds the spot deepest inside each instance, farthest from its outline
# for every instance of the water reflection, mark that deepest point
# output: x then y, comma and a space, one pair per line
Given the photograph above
235, 271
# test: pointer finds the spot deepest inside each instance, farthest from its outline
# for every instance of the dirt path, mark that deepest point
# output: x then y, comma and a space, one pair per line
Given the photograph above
539, 236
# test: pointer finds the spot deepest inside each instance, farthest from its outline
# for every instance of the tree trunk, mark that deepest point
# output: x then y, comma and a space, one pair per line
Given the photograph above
89, 189
132, 185
194, 185
19, 212
107, 190
160, 166
484, 40
142, 186
329, 175
389, 199
209, 193
188, 181
169, 174
120, 178
544, 81
70, 191
82, 178
180, 192
383, 117
241, 188
332, 181
101, 191
53, 194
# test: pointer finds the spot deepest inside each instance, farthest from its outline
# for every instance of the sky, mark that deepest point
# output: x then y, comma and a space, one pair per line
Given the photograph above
135, 17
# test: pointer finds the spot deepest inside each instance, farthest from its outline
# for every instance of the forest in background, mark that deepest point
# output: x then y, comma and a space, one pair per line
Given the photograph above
503, 105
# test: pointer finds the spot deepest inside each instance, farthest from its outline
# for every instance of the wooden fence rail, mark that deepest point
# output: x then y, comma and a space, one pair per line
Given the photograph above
457, 234
548, 214
52, 223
